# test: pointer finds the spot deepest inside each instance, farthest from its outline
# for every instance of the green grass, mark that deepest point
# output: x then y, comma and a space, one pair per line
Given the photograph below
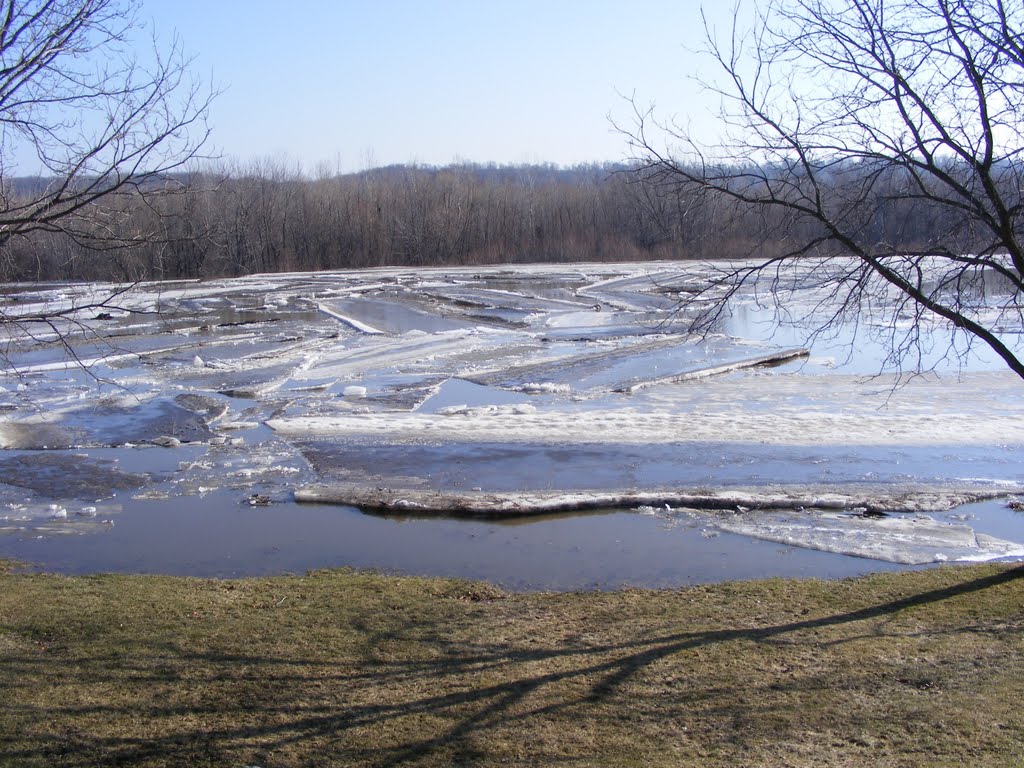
341, 668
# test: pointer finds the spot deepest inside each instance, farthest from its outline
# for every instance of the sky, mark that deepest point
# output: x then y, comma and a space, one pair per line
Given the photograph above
345, 85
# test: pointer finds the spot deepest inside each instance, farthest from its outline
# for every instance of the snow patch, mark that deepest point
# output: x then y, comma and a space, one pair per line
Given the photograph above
522, 423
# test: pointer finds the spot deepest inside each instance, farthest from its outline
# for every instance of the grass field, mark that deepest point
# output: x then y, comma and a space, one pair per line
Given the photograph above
340, 668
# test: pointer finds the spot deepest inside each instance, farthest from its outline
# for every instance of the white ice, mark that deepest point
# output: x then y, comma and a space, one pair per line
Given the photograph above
567, 335
908, 539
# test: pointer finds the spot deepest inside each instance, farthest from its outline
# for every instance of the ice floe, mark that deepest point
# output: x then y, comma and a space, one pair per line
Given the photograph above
911, 540
536, 381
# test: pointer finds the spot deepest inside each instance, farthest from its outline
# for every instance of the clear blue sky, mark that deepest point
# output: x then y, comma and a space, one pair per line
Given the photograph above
358, 83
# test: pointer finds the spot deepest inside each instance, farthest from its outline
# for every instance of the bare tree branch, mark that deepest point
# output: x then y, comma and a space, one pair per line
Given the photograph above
88, 129
844, 121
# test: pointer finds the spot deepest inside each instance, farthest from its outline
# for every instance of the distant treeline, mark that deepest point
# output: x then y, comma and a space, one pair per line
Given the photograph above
266, 218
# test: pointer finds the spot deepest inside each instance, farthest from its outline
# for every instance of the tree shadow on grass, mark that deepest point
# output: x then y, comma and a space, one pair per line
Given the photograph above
383, 712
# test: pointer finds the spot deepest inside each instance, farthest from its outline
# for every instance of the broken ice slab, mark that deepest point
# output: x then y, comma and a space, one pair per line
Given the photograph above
795, 516
371, 315
351, 322
760, 500
527, 299
395, 393
41, 519
910, 540
635, 292
35, 435
634, 364
386, 355
769, 360
500, 316
730, 425
576, 366
597, 324
247, 381
314, 385
115, 423
457, 391
59, 475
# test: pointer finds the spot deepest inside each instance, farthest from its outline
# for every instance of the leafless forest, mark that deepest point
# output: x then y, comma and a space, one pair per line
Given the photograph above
263, 217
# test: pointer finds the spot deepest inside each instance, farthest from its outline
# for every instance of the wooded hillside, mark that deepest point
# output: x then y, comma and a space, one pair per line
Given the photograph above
264, 217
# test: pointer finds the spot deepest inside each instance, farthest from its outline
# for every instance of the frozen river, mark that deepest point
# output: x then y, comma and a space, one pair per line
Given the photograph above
280, 423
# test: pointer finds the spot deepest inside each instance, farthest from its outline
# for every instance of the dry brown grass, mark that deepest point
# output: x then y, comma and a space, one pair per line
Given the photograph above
341, 668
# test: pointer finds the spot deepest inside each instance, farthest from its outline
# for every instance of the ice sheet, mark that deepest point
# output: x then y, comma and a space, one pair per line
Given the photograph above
911, 540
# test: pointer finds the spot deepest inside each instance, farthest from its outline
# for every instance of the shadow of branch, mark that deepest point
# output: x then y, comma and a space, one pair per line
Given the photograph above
462, 690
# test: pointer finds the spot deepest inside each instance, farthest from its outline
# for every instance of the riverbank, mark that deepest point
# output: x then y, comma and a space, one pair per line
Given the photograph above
349, 668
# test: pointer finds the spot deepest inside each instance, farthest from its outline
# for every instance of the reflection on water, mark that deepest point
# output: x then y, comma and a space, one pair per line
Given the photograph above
220, 536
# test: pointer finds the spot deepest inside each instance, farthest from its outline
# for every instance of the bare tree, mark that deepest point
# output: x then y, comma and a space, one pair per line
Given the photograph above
92, 129
881, 137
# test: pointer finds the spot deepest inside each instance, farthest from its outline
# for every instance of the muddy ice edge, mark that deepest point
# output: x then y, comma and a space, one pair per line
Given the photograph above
500, 504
